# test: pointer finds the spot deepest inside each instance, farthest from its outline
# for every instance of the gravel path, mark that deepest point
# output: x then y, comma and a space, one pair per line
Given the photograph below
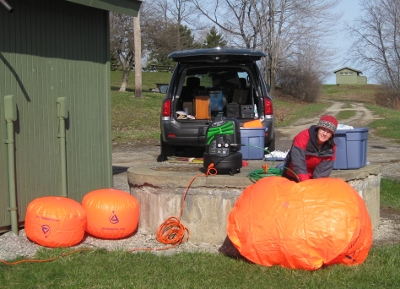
13, 246
381, 151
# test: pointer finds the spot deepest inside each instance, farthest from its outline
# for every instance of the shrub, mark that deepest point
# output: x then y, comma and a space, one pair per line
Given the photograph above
388, 97
304, 85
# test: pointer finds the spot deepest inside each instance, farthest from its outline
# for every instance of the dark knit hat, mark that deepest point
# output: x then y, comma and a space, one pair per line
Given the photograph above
329, 122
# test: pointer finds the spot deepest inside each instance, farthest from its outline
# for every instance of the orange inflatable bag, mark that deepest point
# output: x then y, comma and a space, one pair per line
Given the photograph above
111, 213
303, 225
55, 222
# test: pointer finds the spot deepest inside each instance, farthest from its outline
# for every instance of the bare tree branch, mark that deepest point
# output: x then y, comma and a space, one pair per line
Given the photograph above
277, 27
376, 44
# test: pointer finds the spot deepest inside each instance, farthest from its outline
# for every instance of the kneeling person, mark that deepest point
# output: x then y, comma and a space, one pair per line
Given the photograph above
313, 152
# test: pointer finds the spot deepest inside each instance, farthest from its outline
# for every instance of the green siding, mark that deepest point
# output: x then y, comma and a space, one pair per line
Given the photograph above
362, 80
348, 76
52, 49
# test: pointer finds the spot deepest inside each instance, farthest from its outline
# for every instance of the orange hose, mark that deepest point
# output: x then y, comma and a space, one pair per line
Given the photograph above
172, 231
42, 260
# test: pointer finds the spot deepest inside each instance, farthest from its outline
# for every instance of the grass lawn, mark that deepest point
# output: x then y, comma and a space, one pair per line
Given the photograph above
136, 120
389, 124
119, 269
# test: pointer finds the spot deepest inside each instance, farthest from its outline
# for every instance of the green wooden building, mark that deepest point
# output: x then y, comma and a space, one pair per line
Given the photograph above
347, 75
55, 106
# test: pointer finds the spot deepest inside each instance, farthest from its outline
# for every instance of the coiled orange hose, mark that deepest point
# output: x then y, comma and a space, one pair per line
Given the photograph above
172, 231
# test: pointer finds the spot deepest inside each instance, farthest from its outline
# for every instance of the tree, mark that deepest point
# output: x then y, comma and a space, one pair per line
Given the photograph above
300, 74
161, 41
180, 11
114, 61
234, 17
273, 26
122, 43
214, 39
164, 28
376, 44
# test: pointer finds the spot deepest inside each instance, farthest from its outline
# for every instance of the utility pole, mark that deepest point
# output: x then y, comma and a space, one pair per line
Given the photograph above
138, 56
269, 44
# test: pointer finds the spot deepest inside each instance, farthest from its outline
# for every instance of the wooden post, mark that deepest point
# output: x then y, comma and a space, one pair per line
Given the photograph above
138, 56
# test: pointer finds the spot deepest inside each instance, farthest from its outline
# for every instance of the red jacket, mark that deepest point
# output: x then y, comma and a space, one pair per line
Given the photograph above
305, 160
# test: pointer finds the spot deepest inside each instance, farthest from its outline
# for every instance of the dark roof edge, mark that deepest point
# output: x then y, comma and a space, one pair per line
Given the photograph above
128, 7
349, 68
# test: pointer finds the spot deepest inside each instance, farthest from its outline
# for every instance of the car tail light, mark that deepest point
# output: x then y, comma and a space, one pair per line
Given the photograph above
268, 109
166, 108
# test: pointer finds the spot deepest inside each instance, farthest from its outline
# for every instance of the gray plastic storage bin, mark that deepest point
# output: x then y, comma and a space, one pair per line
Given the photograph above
351, 148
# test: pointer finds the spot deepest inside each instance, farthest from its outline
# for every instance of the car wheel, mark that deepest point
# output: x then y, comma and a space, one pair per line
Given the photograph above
165, 151
271, 145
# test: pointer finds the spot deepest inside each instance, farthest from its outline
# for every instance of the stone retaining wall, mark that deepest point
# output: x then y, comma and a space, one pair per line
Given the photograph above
209, 200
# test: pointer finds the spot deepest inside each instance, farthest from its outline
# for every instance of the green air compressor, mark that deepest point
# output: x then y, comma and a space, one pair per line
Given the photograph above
223, 143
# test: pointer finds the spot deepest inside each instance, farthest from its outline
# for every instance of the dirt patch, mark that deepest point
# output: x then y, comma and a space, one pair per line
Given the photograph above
362, 117
388, 231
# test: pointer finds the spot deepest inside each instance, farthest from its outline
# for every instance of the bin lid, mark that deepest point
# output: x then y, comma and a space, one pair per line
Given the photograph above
355, 129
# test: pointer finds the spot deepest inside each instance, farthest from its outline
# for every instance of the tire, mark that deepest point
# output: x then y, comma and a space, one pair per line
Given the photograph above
165, 151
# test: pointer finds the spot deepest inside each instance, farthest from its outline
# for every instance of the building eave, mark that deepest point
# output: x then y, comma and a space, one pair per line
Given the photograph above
349, 68
128, 7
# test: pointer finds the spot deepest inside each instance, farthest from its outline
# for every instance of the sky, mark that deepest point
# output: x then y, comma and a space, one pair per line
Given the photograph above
351, 10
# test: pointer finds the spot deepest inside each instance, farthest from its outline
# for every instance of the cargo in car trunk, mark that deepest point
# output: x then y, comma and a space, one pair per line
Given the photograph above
188, 107
216, 100
247, 111
202, 107
233, 110
240, 96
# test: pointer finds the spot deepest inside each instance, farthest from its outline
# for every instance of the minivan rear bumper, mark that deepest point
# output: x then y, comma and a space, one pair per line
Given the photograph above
175, 133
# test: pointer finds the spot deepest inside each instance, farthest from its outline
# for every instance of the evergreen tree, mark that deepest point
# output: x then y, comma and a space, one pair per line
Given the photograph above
163, 41
214, 39
114, 61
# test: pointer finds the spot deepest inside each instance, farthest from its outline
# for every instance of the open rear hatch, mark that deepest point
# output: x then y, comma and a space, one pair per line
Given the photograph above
217, 55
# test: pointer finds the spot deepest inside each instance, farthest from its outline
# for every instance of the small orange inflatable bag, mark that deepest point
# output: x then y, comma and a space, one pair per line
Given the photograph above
111, 213
302, 225
55, 222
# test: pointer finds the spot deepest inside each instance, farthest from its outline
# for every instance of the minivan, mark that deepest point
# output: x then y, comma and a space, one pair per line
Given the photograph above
207, 83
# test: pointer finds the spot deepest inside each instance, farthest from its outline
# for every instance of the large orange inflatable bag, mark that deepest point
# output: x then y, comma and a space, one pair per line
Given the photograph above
302, 225
55, 222
111, 213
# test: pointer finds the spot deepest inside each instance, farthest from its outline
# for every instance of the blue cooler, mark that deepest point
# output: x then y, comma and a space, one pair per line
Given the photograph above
351, 149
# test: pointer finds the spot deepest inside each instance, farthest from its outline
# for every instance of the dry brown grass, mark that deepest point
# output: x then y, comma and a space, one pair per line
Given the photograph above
360, 93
